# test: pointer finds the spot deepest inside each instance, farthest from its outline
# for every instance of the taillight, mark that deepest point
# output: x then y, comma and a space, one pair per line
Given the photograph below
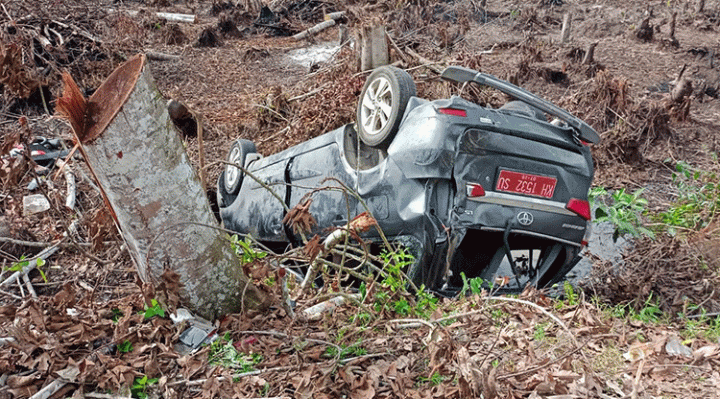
582, 208
453, 112
475, 190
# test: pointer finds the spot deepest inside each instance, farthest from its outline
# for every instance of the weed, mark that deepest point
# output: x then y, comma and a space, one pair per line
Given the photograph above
154, 310
401, 307
435, 379
23, 263
426, 303
362, 319
355, 349
116, 315
624, 210
125, 347
571, 298
224, 353
698, 200
649, 313
246, 250
539, 331
495, 363
393, 264
474, 285
498, 314
140, 386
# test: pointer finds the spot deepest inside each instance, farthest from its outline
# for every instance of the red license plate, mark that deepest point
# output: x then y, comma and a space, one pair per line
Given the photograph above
525, 183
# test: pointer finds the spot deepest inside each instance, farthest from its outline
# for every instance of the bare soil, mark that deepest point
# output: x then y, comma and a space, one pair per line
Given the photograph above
233, 69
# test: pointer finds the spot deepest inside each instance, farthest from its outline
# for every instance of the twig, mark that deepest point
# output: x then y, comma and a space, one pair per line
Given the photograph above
430, 64
24, 243
542, 366
10, 294
17, 280
99, 395
409, 321
29, 286
283, 335
397, 49
279, 115
541, 309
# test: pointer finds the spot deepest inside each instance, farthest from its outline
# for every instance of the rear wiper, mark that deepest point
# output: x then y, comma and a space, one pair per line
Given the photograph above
461, 75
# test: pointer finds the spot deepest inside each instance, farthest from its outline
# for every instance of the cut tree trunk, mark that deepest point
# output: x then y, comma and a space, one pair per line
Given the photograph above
374, 51
153, 192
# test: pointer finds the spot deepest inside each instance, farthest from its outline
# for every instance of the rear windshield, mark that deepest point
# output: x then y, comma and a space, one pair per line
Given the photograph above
482, 142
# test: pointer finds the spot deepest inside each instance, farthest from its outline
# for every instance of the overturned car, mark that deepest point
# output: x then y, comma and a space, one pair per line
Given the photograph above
467, 189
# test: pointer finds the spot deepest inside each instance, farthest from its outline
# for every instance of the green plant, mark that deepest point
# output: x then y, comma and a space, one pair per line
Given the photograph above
539, 331
116, 315
246, 250
426, 303
224, 353
474, 284
393, 264
401, 307
125, 347
570, 296
154, 310
649, 313
22, 263
355, 349
698, 200
140, 386
622, 209
435, 379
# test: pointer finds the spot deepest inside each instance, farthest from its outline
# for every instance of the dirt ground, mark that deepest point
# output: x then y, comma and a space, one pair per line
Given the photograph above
238, 68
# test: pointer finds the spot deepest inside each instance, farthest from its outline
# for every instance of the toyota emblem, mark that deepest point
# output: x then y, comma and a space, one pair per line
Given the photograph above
525, 218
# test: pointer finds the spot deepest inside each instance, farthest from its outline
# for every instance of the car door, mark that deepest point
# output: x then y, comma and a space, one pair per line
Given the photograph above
313, 172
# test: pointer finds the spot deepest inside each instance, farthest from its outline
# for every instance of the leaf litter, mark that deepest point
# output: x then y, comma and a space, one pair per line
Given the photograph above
88, 323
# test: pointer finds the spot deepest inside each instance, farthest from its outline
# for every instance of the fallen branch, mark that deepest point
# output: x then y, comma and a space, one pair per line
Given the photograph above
24, 243
315, 29
154, 55
172, 17
394, 45
316, 312
430, 64
334, 15
361, 223
29, 286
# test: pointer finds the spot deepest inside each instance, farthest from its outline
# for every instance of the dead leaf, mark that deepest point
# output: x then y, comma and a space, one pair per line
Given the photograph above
299, 217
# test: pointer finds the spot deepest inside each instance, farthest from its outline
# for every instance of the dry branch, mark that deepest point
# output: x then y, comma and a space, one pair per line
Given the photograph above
425, 61
315, 29
172, 17
154, 55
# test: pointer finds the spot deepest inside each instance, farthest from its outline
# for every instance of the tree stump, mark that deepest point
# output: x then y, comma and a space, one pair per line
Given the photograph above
152, 191
374, 48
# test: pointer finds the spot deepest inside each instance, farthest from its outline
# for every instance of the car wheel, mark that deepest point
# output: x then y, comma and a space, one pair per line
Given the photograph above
382, 104
232, 176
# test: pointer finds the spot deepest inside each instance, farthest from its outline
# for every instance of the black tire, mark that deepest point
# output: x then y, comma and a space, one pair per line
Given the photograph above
231, 177
382, 105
